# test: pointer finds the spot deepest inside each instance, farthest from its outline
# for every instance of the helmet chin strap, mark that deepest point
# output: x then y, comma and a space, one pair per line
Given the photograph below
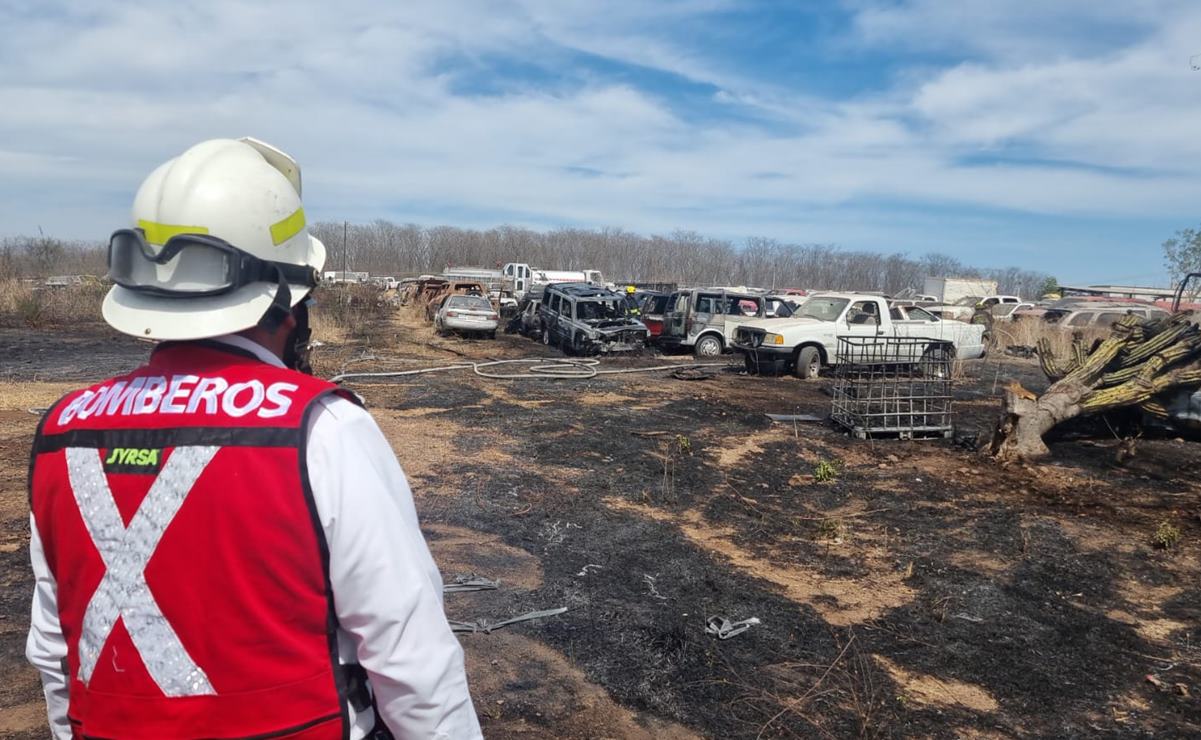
297, 348
281, 305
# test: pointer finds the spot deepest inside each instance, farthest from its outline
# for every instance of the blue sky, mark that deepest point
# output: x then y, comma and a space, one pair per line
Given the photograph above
1062, 136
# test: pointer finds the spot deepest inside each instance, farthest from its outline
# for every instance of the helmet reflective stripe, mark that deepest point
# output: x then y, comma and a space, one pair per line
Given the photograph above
160, 233
282, 231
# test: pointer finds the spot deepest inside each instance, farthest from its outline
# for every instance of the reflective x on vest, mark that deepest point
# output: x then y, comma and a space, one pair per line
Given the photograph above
123, 591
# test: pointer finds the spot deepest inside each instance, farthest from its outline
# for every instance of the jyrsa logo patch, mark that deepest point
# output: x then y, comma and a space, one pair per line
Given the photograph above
133, 460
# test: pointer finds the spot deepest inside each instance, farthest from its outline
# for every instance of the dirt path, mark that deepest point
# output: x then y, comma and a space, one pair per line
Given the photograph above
922, 593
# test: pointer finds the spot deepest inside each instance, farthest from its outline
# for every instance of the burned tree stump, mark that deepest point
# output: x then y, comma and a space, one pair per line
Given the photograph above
1135, 366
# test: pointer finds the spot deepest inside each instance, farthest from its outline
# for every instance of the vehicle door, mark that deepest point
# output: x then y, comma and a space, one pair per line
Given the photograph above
564, 316
550, 313
709, 312
861, 319
675, 316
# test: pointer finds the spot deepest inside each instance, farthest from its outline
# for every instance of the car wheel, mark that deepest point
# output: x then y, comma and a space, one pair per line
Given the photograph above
708, 346
808, 363
546, 335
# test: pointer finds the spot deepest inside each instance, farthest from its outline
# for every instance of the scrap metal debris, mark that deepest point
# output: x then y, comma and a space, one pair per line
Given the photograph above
724, 629
694, 373
796, 417
1165, 687
470, 582
652, 589
487, 626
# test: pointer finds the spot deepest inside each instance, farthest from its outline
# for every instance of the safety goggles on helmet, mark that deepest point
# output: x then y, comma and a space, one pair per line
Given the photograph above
193, 266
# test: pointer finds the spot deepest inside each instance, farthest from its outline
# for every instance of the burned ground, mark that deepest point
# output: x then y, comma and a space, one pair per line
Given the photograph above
921, 591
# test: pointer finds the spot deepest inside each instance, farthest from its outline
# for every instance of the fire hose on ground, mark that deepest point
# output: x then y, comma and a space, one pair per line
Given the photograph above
537, 368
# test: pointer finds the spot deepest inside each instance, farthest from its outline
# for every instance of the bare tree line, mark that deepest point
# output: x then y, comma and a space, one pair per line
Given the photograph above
43, 256
685, 257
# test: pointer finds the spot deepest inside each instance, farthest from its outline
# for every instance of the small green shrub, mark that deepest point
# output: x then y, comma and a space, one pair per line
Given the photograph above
827, 470
1166, 535
683, 445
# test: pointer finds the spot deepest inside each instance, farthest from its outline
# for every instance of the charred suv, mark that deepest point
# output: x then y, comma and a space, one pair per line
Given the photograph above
587, 319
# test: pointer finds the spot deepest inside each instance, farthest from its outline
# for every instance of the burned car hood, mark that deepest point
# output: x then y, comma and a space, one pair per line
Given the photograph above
608, 325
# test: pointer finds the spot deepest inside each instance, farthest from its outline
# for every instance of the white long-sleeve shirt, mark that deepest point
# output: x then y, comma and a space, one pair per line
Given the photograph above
387, 589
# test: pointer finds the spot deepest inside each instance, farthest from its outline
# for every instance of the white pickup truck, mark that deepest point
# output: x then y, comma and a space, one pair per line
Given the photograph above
807, 341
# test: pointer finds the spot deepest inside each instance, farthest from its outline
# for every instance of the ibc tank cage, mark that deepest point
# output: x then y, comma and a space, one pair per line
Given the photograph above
891, 386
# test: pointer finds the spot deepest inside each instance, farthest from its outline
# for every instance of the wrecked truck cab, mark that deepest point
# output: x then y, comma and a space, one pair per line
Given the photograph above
586, 319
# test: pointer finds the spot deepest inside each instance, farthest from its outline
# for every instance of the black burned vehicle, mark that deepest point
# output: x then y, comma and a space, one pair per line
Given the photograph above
588, 319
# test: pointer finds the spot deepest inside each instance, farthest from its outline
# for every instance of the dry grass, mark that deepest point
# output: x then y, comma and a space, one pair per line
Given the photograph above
1028, 332
27, 305
345, 312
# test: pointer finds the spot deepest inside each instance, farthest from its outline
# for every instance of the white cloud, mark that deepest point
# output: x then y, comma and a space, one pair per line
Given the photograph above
1075, 108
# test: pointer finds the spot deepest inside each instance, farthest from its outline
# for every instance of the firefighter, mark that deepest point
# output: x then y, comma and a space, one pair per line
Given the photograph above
223, 545
631, 301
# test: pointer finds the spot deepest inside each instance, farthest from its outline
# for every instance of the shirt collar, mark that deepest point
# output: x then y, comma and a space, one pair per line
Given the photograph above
259, 351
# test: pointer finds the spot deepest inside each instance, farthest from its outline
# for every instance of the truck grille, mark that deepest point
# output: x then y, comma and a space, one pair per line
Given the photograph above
749, 337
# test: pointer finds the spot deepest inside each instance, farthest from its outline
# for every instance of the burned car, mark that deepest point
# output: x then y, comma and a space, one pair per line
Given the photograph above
528, 320
587, 319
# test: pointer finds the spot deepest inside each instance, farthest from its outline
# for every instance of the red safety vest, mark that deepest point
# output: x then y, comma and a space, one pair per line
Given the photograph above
174, 509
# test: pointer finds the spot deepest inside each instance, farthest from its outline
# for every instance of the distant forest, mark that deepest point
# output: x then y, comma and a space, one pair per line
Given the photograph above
684, 257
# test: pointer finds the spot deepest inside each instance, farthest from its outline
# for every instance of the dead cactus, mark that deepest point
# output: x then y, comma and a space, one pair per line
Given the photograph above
1135, 366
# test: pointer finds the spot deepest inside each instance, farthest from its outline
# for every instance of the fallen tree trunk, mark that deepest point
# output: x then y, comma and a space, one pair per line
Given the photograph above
1137, 365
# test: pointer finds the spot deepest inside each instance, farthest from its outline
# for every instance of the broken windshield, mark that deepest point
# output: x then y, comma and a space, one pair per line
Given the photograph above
822, 309
599, 310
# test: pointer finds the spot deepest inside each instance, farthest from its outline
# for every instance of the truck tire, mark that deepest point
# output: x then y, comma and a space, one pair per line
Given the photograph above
708, 346
808, 363
546, 338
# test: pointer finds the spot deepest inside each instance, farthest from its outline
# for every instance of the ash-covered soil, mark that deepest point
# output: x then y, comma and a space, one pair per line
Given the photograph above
922, 592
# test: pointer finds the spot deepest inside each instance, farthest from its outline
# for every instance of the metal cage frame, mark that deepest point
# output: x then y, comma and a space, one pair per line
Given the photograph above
893, 386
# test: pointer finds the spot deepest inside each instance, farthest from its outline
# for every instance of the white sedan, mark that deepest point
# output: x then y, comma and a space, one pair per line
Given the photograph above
969, 340
467, 314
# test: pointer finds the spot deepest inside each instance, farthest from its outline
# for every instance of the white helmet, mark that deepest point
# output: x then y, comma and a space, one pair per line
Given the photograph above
221, 245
